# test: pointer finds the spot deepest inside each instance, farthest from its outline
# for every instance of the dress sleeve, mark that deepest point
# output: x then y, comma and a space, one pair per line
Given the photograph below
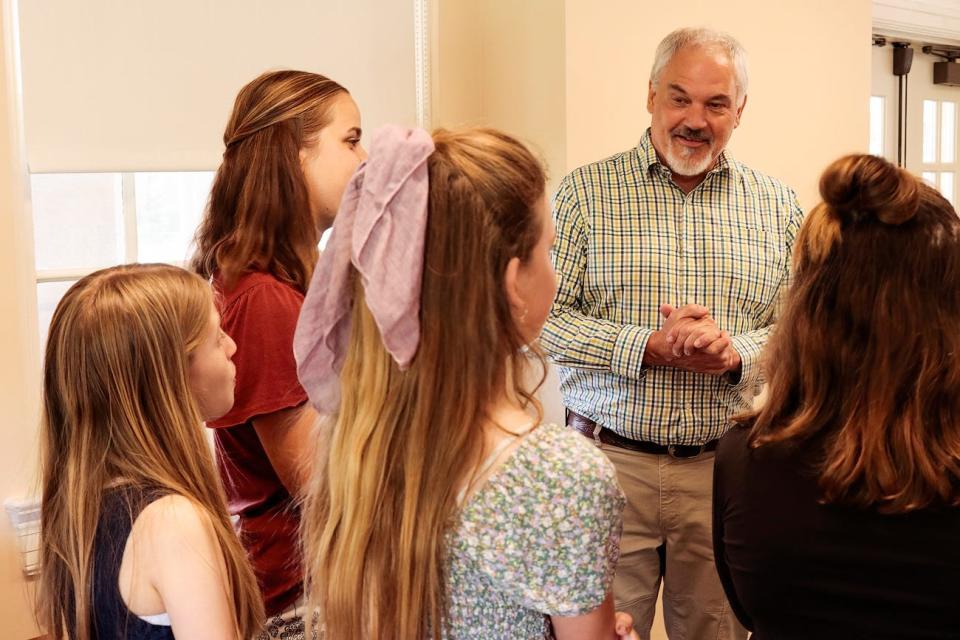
262, 321
560, 541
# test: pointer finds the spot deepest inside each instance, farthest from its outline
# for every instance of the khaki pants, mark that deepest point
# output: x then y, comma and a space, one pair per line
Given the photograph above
667, 536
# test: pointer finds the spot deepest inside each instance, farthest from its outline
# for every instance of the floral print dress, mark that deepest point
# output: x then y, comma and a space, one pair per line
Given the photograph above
541, 537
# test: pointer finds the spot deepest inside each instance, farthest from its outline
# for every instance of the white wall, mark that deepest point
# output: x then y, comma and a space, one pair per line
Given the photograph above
148, 86
20, 372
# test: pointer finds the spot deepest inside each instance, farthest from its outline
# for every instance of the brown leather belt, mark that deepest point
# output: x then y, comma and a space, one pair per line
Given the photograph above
602, 435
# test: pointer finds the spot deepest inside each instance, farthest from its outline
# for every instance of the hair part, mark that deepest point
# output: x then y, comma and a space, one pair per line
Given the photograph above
379, 508
259, 216
705, 38
863, 362
118, 407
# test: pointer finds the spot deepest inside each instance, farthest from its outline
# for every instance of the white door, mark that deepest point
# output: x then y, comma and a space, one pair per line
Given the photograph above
932, 118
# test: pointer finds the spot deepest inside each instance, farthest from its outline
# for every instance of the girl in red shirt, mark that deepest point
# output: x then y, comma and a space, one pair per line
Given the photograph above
292, 143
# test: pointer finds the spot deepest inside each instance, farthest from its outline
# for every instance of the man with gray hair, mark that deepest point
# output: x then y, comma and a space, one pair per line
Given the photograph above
672, 257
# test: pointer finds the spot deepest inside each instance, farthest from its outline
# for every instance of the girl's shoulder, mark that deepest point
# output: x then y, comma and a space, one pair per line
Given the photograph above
172, 519
554, 465
170, 539
545, 528
565, 452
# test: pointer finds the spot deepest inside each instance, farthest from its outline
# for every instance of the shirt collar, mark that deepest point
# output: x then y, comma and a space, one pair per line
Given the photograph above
649, 160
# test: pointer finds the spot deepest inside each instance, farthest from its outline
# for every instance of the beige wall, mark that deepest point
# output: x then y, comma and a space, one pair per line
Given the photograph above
507, 65
809, 78
456, 62
570, 78
499, 63
20, 373
523, 75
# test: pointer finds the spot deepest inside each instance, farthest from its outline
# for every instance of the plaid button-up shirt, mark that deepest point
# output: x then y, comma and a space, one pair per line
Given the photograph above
629, 240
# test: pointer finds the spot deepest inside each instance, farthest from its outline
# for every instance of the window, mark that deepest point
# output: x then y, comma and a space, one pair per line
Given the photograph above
939, 147
123, 217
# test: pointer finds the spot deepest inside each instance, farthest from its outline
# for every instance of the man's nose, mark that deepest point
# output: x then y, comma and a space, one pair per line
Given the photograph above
695, 117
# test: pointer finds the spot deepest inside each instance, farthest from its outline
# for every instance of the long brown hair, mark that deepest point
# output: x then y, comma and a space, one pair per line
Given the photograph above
117, 406
258, 216
383, 494
864, 360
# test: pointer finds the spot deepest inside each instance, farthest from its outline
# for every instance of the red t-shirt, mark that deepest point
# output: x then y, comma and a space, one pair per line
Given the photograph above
260, 314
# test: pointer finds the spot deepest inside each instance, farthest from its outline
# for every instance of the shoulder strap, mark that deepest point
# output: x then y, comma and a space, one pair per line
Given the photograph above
491, 459
120, 509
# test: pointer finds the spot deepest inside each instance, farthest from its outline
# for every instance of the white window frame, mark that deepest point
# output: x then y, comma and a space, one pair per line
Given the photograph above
128, 198
938, 167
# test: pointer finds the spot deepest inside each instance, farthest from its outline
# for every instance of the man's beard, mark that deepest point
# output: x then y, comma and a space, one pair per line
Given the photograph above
684, 160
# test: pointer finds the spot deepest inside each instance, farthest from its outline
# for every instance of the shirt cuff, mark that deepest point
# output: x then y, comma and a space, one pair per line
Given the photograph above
627, 359
749, 351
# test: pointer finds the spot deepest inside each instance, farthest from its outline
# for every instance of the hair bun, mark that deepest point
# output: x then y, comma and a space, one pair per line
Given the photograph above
861, 187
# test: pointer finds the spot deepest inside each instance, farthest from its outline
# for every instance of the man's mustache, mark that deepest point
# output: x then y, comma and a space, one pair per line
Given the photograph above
698, 135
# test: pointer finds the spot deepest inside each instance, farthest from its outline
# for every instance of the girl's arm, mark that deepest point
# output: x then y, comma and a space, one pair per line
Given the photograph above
287, 438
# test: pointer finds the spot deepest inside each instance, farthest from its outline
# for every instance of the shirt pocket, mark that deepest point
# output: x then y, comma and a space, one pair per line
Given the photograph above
744, 266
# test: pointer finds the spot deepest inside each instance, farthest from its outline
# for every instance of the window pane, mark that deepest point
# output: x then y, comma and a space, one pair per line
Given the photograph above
77, 220
876, 125
948, 131
929, 131
169, 208
946, 185
48, 297
930, 178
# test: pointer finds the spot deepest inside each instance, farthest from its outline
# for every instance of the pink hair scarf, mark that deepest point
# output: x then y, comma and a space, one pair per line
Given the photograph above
380, 232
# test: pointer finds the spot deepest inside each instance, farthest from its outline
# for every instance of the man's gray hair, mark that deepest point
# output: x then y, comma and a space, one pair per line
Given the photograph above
699, 37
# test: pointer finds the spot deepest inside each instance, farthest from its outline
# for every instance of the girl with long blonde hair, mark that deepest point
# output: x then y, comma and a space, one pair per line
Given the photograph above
135, 538
440, 505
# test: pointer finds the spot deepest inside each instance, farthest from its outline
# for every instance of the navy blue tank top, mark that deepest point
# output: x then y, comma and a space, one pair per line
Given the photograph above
111, 618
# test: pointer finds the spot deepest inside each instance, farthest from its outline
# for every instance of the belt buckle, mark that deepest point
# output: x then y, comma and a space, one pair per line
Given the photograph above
596, 436
672, 450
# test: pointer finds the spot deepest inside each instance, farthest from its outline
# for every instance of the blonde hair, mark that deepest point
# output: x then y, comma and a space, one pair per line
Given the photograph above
117, 406
383, 494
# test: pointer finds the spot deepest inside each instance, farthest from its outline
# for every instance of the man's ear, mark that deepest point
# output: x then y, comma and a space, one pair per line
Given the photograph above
740, 111
651, 94
511, 286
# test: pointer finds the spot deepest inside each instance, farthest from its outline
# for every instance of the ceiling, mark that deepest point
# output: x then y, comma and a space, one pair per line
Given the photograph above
933, 21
